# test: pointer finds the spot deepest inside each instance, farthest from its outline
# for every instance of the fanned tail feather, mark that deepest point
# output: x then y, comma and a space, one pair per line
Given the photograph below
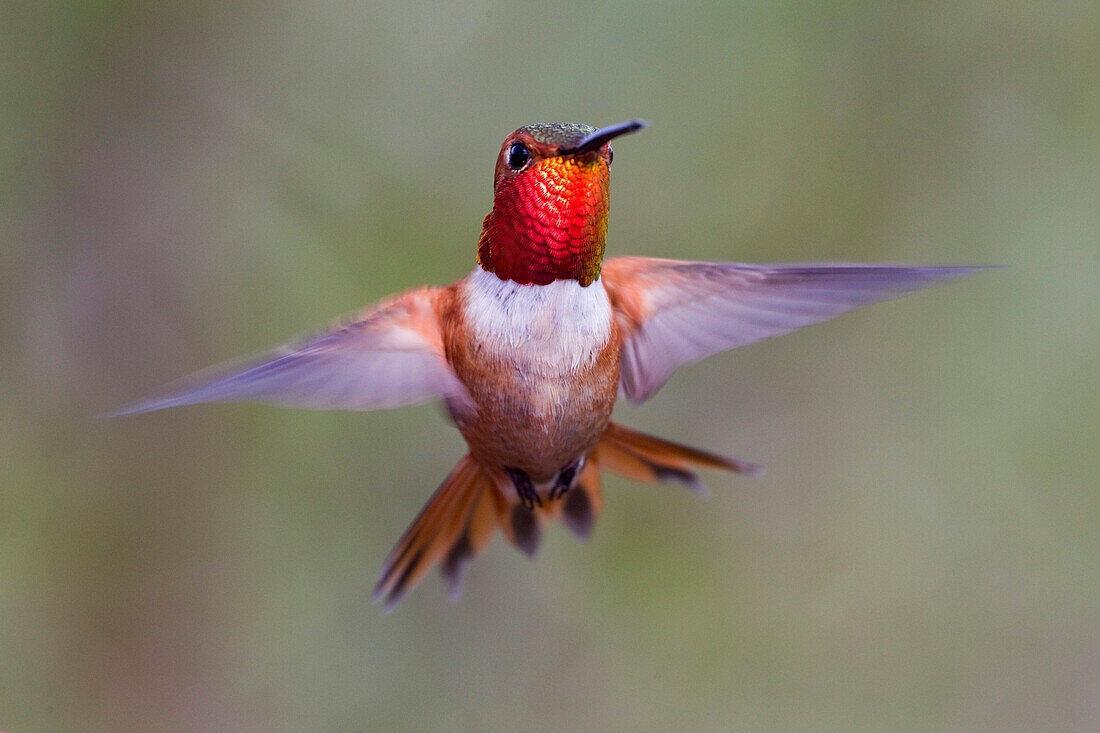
438, 528
486, 517
642, 457
464, 513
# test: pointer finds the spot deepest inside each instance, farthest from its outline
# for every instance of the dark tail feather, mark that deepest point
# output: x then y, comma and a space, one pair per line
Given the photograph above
646, 458
442, 528
487, 516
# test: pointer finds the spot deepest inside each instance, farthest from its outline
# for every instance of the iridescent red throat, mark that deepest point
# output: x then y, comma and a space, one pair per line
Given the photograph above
548, 223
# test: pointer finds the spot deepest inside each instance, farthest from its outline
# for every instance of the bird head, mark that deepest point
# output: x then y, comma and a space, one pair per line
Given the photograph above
550, 208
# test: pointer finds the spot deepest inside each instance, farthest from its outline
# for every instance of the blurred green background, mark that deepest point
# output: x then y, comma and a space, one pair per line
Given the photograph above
184, 183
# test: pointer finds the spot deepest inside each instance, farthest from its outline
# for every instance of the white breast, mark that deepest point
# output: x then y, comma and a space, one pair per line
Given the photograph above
547, 329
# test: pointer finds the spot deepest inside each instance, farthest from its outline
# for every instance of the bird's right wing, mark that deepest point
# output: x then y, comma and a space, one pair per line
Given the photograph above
675, 312
388, 356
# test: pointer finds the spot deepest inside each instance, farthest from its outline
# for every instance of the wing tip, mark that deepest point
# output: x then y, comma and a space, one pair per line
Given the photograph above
140, 407
950, 272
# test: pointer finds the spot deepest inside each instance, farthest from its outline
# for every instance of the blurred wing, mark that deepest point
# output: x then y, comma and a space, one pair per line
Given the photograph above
673, 312
388, 356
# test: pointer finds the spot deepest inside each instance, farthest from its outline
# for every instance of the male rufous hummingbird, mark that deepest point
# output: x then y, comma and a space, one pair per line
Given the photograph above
529, 352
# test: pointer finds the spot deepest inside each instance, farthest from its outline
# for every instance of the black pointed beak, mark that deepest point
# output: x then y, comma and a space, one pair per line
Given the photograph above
597, 139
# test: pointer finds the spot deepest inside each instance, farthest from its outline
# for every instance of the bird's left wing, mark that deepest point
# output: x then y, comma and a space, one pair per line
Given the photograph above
674, 312
388, 356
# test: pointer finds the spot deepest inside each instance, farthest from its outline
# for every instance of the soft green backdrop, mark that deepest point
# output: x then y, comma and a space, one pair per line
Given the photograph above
183, 183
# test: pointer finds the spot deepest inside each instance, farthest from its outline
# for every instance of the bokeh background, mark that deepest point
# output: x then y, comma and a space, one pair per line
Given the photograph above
183, 183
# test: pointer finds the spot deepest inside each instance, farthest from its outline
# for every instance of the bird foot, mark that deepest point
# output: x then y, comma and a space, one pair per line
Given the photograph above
564, 481
526, 490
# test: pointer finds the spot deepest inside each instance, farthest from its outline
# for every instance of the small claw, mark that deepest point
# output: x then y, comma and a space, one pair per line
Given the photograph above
564, 482
524, 488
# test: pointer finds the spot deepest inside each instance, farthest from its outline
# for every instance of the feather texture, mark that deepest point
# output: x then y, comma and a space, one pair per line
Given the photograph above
674, 312
389, 356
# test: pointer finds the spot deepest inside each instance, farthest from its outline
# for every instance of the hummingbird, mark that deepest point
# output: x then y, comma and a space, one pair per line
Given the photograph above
530, 351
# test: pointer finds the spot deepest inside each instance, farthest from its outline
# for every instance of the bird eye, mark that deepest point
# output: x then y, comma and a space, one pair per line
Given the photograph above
518, 156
